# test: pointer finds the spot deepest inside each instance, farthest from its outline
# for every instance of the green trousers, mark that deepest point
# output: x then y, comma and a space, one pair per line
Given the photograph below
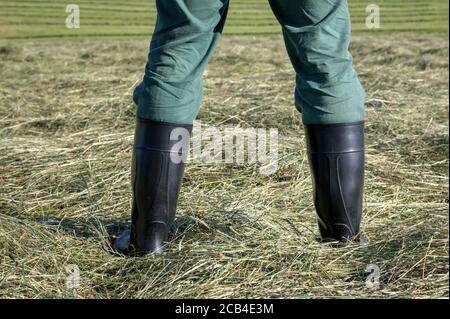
317, 37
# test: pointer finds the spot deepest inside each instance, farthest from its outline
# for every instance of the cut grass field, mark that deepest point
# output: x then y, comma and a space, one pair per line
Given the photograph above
66, 130
45, 19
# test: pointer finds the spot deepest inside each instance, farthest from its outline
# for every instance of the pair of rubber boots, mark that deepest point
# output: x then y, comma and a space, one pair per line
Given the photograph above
336, 157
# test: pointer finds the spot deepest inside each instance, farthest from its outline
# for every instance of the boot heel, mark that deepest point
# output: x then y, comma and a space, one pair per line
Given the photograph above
155, 238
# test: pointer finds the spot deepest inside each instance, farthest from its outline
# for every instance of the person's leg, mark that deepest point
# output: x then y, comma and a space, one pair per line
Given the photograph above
331, 100
168, 101
185, 36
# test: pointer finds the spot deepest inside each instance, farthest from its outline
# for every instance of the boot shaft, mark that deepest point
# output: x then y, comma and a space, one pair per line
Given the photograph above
160, 152
336, 157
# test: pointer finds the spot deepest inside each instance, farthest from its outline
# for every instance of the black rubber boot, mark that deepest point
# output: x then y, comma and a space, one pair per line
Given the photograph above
336, 157
157, 170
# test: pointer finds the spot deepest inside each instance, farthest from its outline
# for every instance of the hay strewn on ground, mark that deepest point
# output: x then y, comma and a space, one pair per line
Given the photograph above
66, 125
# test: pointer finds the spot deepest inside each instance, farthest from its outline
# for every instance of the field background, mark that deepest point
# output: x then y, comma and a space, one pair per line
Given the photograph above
66, 131
36, 19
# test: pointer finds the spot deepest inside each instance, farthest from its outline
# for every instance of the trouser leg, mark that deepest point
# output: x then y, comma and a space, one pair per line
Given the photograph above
317, 37
186, 34
331, 100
